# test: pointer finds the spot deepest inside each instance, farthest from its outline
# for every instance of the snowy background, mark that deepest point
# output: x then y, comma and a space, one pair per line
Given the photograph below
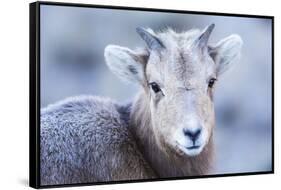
72, 63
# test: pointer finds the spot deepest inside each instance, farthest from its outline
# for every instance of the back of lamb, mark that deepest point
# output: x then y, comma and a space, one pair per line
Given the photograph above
87, 139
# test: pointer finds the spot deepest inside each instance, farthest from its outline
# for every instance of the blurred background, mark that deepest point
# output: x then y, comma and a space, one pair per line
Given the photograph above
72, 63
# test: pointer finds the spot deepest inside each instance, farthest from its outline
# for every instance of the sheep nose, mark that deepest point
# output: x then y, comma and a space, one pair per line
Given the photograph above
192, 134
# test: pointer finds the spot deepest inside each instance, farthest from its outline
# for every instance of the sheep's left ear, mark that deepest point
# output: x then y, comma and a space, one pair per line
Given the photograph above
226, 52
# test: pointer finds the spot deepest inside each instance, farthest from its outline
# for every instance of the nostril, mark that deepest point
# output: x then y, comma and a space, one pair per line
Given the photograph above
193, 134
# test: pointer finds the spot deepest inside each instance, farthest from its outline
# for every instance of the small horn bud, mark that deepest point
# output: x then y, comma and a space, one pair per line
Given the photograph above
152, 41
202, 40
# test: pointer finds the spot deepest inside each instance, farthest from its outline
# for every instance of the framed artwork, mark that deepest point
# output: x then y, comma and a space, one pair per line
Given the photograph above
126, 94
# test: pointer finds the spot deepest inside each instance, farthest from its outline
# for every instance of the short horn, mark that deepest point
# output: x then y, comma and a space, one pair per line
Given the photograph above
202, 40
152, 41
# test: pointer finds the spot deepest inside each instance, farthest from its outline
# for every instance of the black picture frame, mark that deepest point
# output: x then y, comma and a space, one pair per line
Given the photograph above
34, 91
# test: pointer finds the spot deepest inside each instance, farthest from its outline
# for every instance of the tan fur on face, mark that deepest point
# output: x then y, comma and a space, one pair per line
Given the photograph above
182, 72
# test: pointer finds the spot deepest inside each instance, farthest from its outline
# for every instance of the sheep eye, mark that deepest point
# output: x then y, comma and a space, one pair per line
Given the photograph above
211, 82
155, 87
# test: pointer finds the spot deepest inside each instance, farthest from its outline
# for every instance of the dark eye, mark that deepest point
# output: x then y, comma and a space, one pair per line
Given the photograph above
155, 87
211, 82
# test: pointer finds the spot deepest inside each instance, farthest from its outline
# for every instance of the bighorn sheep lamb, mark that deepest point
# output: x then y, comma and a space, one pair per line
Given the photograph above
165, 132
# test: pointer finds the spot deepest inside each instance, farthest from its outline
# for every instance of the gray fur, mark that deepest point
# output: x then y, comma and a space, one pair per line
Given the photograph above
86, 139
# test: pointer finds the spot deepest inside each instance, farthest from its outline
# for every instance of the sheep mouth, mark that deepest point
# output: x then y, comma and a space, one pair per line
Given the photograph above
192, 147
188, 150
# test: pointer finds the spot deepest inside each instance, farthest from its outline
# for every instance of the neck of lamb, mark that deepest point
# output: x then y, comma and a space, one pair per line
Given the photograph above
164, 164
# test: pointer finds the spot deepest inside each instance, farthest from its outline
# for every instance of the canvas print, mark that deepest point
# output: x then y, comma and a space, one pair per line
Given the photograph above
135, 95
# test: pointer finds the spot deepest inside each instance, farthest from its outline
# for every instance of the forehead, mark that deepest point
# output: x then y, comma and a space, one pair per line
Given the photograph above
179, 60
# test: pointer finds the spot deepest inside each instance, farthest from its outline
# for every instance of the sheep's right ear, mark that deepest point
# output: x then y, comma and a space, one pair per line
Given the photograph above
125, 63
